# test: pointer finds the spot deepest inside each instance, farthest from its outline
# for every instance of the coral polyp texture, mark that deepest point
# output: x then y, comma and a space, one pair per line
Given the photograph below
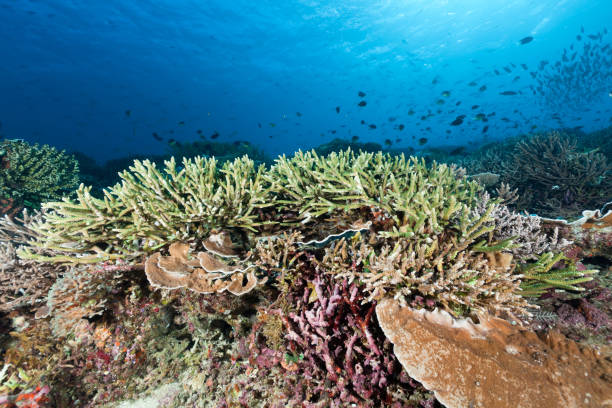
32, 174
247, 272
463, 361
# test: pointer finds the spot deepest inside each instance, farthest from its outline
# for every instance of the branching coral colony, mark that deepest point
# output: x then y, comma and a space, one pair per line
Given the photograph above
394, 224
30, 174
319, 240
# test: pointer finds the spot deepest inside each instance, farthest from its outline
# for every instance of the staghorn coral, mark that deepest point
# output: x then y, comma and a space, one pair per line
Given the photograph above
434, 217
492, 363
446, 273
332, 235
82, 293
416, 198
554, 174
151, 208
529, 240
23, 283
31, 174
553, 160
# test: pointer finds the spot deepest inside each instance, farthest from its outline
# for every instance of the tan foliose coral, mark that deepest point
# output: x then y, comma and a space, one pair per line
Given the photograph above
492, 363
204, 272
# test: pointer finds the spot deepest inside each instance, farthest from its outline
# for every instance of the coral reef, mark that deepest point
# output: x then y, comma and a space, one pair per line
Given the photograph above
255, 286
23, 283
32, 174
150, 209
555, 174
222, 151
337, 145
492, 363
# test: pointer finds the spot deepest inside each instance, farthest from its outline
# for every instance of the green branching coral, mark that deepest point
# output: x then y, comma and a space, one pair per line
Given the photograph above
414, 230
540, 276
150, 208
417, 198
31, 174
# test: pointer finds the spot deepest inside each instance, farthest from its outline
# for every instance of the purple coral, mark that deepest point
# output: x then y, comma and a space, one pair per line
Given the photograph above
334, 338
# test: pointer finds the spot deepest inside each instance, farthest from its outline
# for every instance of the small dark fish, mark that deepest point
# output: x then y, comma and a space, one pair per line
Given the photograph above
497, 72
362, 122
475, 106
354, 139
578, 37
272, 124
401, 126
128, 113
592, 37
388, 142
361, 94
333, 132
481, 116
214, 135
440, 102
259, 125
181, 123
458, 103
337, 109
410, 112
362, 103
508, 70
173, 143
199, 131
422, 141
482, 88
157, 137
456, 122
472, 83
298, 114
507, 93
446, 94
484, 129
524, 66
457, 151
516, 78
392, 119
372, 126
526, 40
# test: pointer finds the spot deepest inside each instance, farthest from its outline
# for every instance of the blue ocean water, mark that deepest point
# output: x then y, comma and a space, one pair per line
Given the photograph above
102, 77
